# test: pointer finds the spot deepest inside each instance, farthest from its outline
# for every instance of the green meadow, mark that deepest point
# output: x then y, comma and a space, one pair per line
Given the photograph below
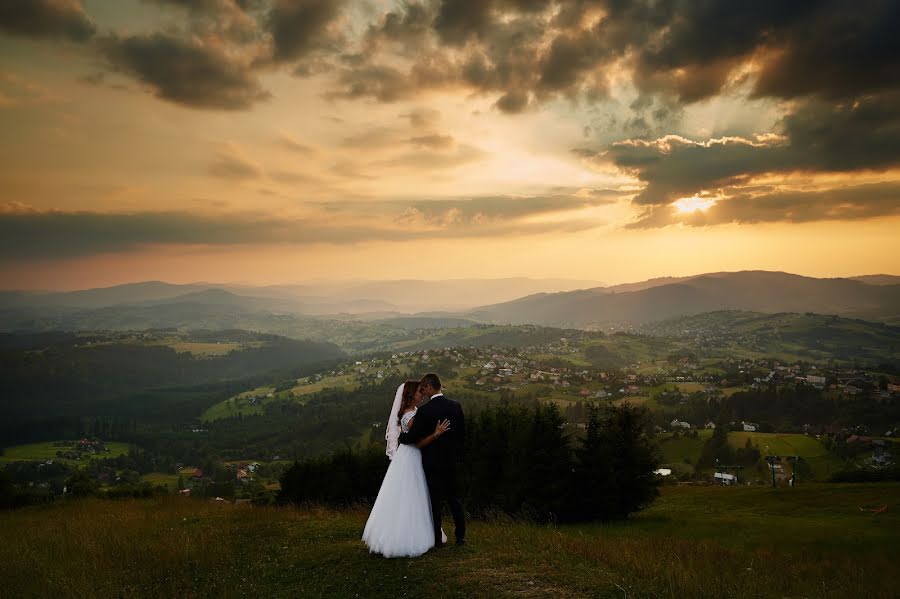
40, 452
821, 463
813, 541
682, 449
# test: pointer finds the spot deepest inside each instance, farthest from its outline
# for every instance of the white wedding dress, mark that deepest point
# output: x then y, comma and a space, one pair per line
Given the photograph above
400, 524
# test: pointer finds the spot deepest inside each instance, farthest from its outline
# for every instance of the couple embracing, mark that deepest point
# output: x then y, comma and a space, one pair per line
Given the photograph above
424, 441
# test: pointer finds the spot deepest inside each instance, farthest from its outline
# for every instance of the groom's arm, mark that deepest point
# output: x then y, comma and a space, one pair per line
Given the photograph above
423, 425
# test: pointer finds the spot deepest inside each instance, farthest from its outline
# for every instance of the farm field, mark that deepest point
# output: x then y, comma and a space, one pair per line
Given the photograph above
39, 452
705, 542
307, 387
169, 481
205, 349
820, 461
239, 404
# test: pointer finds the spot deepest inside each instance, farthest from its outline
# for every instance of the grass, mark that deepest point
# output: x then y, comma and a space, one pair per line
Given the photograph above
161, 478
305, 387
676, 449
41, 452
822, 463
702, 542
239, 404
204, 349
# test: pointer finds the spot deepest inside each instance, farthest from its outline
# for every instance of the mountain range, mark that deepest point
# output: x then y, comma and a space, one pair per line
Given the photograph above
869, 297
416, 303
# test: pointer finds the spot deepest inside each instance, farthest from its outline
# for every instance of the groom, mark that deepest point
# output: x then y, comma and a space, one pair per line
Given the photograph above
439, 458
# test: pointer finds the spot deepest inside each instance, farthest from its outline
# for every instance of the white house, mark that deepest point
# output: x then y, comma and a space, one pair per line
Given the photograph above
749, 427
724, 478
710, 425
679, 424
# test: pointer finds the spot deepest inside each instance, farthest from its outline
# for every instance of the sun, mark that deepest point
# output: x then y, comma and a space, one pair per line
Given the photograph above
693, 204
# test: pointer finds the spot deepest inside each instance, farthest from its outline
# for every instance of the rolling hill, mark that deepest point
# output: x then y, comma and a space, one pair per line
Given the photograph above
660, 299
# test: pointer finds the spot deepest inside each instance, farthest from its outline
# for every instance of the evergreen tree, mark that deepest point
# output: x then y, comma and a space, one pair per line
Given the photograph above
614, 475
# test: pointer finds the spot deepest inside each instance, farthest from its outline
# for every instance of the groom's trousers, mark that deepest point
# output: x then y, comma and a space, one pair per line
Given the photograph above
442, 487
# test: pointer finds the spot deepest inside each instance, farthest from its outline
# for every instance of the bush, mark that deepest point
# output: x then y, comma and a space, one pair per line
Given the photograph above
80, 484
866, 476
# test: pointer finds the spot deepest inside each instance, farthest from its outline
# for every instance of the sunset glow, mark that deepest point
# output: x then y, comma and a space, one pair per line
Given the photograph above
272, 140
693, 204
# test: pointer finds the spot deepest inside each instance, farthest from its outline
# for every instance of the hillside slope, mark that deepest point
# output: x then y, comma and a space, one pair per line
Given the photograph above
694, 542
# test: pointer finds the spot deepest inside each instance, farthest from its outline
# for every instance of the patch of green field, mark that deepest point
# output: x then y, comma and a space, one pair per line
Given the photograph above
239, 404
821, 462
306, 387
689, 387
638, 400
204, 349
160, 478
676, 450
703, 542
40, 452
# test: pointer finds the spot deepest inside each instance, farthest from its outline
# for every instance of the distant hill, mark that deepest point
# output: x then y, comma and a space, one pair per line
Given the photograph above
808, 336
131, 293
878, 279
660, 299
314, 298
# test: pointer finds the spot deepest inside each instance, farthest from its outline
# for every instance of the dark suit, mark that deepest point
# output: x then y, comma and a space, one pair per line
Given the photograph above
440, 457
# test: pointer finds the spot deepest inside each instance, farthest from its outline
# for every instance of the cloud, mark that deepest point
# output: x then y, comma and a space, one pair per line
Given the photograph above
434, 141
435, 158
777, 204
422, 118
230, 164
29, 234
299, 27
53, 19
287, 141
230, 19
187, 72
859, 136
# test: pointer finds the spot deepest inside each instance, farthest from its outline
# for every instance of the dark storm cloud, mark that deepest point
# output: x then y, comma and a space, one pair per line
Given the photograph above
817, 137
840, 203
299, 27
37, 235
769, 205
832, 48
53, 19
530, 52
192, 5
190, 73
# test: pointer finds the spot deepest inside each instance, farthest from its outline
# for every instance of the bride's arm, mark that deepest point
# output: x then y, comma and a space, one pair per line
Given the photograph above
440, 429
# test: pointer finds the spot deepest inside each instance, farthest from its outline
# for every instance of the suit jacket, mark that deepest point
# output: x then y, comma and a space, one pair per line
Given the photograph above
443, 453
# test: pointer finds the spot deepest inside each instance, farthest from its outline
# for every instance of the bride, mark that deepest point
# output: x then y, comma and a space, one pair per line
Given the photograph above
400, 524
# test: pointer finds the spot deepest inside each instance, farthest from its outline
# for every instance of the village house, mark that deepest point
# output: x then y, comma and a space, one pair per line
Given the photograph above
723, 478
749, 427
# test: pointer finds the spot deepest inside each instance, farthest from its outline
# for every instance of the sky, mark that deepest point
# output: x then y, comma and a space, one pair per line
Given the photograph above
279, 141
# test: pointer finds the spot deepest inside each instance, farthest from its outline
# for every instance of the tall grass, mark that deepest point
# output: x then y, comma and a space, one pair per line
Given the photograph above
810, 541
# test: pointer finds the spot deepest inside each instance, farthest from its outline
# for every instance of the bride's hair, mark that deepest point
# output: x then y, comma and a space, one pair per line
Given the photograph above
409, 397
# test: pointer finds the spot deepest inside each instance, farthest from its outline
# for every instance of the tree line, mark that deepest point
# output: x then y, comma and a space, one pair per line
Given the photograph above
518, 460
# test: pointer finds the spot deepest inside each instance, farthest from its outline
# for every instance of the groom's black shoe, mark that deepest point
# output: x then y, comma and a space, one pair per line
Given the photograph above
439, 545
460, 542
